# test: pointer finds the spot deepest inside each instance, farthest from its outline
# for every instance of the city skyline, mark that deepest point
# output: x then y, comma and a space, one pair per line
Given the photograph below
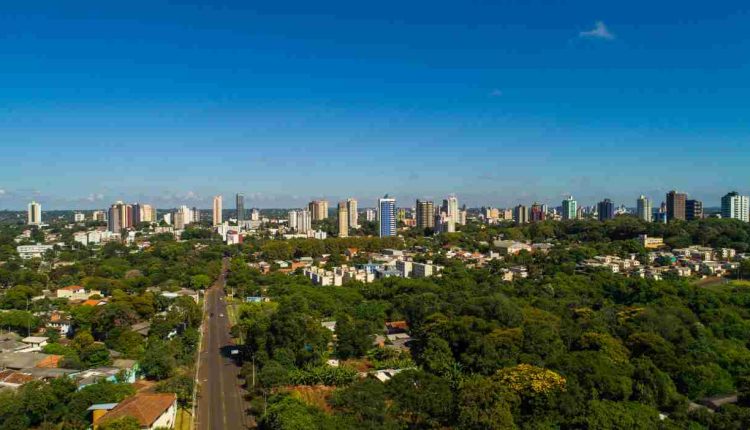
519, 104
206, 203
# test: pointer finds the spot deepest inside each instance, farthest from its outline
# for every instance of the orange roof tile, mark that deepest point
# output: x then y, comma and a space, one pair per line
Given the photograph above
397, 324
50, 362
71, 288
144, 407
18, 378
91, 302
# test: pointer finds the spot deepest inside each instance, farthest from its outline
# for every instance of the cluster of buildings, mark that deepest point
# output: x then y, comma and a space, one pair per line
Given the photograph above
681, 262
121, 216
442, 219
425, 215
389, 263
676, 206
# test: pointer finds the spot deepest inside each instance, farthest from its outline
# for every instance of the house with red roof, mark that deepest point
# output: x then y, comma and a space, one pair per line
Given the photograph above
151, 410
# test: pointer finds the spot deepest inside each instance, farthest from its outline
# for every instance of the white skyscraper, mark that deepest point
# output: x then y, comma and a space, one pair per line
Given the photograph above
186, 215
217, 219
35, 213
79, 217
351, 207
304, 221
371, 215
450, 207
735, 206
643, 208
292, 219
255, 215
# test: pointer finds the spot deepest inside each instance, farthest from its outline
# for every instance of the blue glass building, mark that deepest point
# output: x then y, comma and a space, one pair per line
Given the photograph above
387, 216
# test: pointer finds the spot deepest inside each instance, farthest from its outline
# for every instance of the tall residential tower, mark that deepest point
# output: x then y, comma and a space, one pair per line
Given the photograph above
240, 205
351, 207
643, 208
387, 216
569, 208
735, 206
217, 211
34, 213
676, 205
425, 214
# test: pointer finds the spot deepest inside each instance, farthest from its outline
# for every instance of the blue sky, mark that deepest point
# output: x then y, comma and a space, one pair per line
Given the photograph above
499, 102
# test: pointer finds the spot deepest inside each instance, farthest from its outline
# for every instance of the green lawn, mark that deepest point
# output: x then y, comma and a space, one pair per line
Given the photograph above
184, 420
721, 284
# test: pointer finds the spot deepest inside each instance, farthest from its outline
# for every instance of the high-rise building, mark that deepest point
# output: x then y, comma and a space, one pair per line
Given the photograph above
120, 217
537, 213
605, 210
425, 214
643, 208
569, 208
137, 211
444, 223
217, 218
240, 205
179, 220
351, 207
387, 216
735, 206
371, 214
299, 220
693, 209
304, 221
147, 213
255, 215
34, 213
450, 207
99, 216
183, 216
520, 214
462, 215
676, 205
318, 209
79, 217
343, 219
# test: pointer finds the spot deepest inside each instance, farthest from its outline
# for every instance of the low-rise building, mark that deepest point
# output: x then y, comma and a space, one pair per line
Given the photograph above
33, 251
511, 247
13, 379
425, 270
151, 410
75, 292
651, 242
59, 322
35, 343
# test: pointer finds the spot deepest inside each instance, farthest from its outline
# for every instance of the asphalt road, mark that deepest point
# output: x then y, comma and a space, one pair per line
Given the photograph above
221, 403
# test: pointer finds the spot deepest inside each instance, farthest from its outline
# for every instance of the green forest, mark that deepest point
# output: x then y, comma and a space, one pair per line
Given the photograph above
562, 349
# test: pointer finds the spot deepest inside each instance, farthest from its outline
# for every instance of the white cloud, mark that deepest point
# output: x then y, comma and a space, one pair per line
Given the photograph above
2, 192
95, 197
192, 195
600, 31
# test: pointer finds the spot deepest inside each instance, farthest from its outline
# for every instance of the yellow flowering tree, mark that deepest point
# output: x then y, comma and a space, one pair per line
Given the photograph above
527, 380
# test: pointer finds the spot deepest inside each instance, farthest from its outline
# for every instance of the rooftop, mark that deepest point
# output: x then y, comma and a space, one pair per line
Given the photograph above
144, 407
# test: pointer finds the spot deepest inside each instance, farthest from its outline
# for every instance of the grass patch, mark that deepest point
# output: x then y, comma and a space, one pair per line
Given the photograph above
184, 420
